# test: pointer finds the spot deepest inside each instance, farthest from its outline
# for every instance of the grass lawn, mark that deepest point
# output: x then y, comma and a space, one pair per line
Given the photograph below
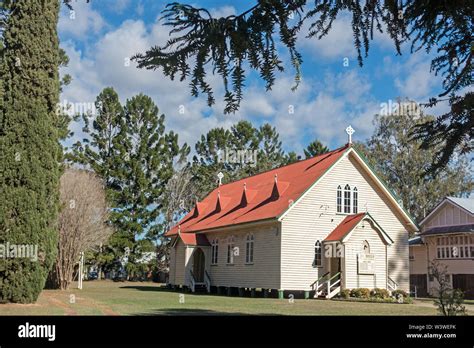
127, 298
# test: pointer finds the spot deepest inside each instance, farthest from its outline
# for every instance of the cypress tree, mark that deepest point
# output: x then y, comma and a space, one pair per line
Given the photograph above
29, 148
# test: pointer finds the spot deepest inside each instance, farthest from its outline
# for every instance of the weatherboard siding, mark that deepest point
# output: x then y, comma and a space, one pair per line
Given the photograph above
265, 270
353, 246
419, 263
448, 215
315, 216
179, 258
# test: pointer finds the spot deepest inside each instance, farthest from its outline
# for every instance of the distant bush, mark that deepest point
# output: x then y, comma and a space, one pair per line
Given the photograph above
380, 293
360, 293
346, 293
374, 295
396, 293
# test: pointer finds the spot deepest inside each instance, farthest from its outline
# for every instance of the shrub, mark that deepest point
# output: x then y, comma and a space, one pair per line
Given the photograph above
346, 293
380, 293
395, 293
360, 293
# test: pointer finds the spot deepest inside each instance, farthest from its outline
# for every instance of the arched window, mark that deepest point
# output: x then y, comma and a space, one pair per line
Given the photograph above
366, 247
214, 251
339, 199
249, 249
230, 250
355, 200
347, 199
317, 254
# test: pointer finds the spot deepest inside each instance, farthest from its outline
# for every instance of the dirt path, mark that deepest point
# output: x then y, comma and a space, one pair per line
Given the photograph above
106, 310
67, 309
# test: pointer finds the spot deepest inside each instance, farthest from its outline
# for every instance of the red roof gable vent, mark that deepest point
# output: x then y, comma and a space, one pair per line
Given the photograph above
279, 187
222, 202
247, 196
199, 209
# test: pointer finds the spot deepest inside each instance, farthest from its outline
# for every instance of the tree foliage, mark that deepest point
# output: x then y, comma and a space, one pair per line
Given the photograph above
450, 302
29, 144
315, 148
130, 150
201, 44
403, 164
227, 43
238, 152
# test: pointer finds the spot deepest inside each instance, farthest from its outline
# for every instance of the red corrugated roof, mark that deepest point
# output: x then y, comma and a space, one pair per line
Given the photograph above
267, 195
194, 239
344, 227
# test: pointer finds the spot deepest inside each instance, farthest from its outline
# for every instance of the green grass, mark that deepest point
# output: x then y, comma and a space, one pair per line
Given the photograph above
109, 298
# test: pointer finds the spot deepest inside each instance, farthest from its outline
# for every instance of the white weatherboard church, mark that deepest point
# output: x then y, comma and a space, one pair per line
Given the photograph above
316, 226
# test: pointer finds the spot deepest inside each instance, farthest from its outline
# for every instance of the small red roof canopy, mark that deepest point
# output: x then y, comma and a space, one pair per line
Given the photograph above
350, 222
347, 225
263, 196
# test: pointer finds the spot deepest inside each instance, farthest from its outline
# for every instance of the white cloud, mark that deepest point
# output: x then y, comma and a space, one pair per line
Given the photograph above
105, 64
323, 105
80, 22
118, 6
416, 81
223, 11
337, 44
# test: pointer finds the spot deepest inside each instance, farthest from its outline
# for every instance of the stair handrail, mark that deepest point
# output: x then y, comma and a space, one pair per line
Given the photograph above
392, 284
334, 276
328, 282
207, 280
318, 280
193, 281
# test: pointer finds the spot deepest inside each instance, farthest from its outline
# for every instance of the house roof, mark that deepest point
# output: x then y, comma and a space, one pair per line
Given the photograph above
415, 241
346, 226
449, 229
259, 197
466, 204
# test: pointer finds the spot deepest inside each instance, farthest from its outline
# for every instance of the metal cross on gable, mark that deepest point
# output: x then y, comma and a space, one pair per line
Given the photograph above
350, 131
220, 176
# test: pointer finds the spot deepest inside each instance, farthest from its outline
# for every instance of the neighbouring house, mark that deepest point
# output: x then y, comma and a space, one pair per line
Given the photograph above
313, 227
446, 235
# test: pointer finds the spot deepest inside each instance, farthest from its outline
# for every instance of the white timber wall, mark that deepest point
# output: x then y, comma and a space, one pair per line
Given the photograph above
353, 247
315, 216
264, 272
448, 215
419, 262
177, 264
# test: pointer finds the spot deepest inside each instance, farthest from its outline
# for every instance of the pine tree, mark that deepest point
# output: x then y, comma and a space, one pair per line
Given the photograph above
144, 166
239, 152
104, 130
130, 150
29, 148
315, 148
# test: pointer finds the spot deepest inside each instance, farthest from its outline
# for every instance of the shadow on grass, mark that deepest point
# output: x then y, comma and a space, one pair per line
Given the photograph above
196, 312
148, 288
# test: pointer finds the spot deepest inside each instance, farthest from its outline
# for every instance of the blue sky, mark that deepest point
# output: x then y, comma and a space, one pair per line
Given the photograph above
101, 36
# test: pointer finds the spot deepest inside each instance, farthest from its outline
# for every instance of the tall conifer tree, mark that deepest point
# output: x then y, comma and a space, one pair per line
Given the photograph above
29, 148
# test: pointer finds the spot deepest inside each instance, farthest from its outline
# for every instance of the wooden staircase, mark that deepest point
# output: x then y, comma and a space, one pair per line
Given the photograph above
199, 287
327, 286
